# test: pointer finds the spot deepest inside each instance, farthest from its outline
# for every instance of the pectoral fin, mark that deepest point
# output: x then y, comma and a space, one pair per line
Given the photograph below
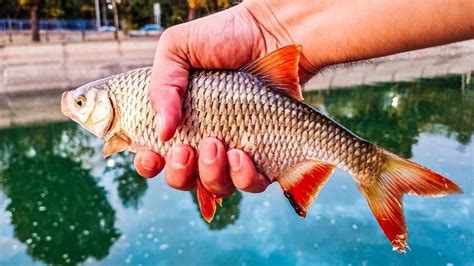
117, 143
302, 182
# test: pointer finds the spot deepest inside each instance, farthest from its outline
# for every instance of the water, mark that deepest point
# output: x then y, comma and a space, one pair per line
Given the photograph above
61, 202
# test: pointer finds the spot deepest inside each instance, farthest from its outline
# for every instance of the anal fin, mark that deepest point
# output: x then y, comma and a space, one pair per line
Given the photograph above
302, 182
207, 201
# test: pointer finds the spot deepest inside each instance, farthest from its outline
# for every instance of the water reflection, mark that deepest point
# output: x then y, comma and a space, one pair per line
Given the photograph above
225, 215
131, 186
63, 211
394, 115
57, 209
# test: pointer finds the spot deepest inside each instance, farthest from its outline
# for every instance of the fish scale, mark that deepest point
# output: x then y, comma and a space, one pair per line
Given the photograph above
222, 104
259, 110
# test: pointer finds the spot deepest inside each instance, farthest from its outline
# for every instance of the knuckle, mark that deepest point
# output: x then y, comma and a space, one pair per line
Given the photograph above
168, 34
168, 37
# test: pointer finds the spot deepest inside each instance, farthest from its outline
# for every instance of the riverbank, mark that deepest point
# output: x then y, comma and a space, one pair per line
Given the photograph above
60, 66
40, 67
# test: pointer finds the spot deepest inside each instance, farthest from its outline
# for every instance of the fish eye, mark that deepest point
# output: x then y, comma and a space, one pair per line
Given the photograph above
80, 101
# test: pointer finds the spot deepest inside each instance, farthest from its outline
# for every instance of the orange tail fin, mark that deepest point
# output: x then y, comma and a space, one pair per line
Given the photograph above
397, 177
207, 201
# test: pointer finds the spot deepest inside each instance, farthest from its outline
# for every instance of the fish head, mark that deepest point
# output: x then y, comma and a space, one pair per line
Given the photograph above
90, 106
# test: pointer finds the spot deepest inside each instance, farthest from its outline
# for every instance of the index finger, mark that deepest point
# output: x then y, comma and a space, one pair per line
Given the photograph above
169, 81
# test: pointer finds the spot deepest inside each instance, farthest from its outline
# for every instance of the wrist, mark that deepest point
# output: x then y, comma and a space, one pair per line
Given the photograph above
284, 22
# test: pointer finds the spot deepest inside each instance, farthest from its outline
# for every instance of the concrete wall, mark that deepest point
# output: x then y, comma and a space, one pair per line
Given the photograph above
452, 59
24, 37
37, 67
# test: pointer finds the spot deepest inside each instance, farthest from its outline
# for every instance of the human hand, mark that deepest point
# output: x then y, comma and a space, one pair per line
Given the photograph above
226, 40
330, 32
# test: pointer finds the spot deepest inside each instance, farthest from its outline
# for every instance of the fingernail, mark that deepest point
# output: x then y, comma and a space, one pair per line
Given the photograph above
235, 158
179, 157
209, 152
148, 164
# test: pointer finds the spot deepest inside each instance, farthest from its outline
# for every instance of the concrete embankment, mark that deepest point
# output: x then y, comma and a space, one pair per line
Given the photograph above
40, 67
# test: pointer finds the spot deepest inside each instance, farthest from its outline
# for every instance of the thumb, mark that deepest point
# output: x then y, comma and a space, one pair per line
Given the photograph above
169, 80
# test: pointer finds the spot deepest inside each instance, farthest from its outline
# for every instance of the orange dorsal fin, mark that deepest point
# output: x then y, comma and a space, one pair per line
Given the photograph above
302, 182
399, 176
279, 69
207, 201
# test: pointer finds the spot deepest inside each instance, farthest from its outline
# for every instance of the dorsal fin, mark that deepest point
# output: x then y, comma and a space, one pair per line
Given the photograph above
302, 182
280, 70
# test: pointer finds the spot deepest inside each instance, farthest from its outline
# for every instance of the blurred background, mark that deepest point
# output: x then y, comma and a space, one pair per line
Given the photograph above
62, 203
56, 20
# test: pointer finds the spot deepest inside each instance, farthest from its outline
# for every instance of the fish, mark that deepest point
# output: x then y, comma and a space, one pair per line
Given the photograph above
259, 109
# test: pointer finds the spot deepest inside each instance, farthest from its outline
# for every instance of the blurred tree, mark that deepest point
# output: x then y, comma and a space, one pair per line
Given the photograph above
74, 9
135, 12
32, 6
173, 12
192, 6
10, 8
53, 9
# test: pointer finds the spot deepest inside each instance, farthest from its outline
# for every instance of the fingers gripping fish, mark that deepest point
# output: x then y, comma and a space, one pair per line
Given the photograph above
258, 109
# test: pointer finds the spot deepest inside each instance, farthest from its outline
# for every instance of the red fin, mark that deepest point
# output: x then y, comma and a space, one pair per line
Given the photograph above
207, 201
117, 143
218, 200
280, 70
397, 177
302, 182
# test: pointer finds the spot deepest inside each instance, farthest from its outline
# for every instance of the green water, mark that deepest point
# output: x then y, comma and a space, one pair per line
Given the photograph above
62, 203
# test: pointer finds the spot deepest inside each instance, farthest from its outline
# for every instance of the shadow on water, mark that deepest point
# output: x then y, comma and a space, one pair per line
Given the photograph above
63, 215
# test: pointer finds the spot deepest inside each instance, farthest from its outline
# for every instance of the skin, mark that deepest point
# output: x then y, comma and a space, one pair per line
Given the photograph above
330, 32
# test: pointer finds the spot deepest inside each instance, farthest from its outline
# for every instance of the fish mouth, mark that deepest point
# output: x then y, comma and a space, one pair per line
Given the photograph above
64, 105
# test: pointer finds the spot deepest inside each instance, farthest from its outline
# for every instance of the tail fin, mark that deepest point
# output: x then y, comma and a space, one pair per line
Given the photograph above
397, 177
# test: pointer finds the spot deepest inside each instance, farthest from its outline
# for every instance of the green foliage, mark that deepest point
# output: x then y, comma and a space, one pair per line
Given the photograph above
48, 9
28, 2
135, 12
9, 8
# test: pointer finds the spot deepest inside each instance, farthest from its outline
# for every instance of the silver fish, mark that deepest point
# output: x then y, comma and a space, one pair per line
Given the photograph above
259, 110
